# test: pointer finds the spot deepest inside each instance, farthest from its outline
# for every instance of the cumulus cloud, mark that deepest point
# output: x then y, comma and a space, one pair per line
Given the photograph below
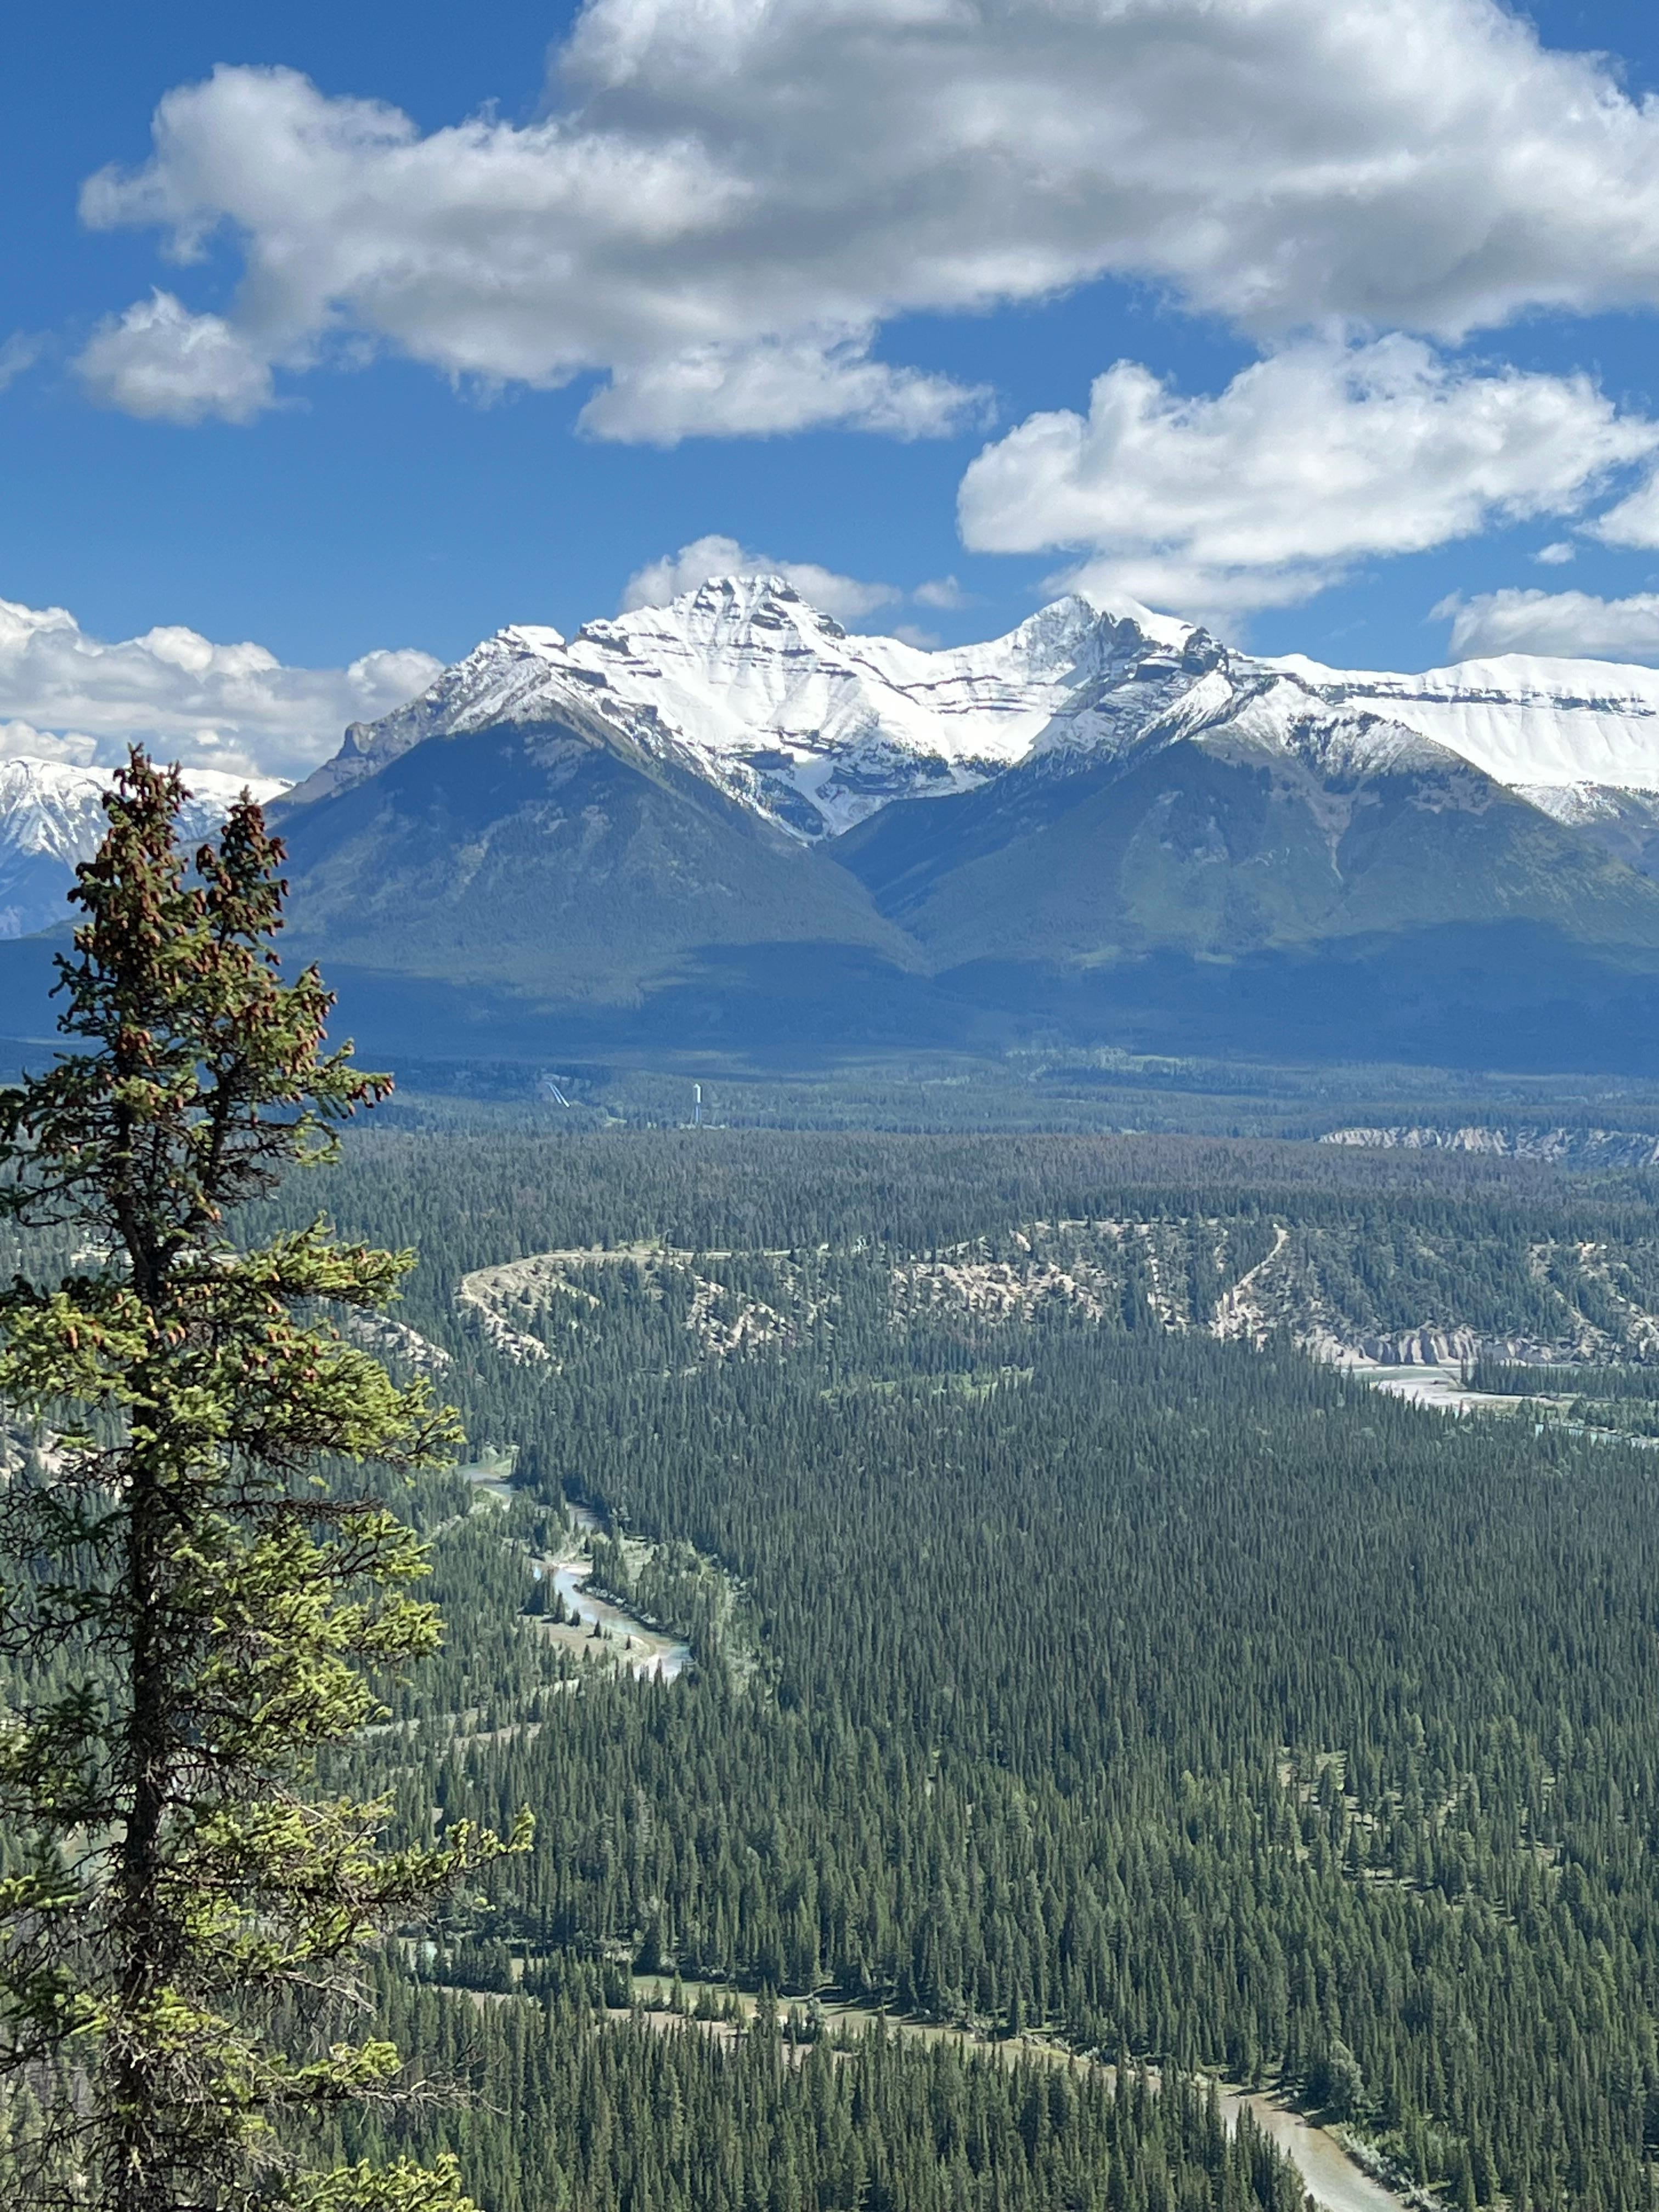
21, 740
942, 592
1308, 461
694, 219
1556, 555
1634, 520
160, 362
764, 390
66, 695
1574, 624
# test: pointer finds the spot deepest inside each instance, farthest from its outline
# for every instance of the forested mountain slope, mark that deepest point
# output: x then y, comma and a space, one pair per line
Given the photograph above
1219, 849
561, 856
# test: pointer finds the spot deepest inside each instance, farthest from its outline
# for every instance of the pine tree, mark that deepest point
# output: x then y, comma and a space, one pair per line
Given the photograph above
195, 1574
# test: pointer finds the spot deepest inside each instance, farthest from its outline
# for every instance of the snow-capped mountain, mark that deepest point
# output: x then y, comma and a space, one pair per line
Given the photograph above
1578, 739
815, 730
818, 729
52, 818
812, 727
728, 820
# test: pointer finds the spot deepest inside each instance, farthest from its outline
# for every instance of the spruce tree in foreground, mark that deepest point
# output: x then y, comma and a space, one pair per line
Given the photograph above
189, 1608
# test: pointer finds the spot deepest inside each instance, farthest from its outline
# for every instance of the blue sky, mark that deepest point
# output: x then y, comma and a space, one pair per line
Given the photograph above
402, 470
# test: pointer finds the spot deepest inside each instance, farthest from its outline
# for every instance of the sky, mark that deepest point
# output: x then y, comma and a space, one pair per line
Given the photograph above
331, 339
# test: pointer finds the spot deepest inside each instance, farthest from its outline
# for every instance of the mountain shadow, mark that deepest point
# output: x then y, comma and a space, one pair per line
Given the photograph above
1216, 850
559, 862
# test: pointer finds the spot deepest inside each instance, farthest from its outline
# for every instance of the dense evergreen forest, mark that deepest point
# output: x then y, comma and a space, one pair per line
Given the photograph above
572, 2104
1064, 1664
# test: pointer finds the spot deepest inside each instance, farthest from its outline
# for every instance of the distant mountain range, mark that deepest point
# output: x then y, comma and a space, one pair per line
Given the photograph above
51, 815
726, 827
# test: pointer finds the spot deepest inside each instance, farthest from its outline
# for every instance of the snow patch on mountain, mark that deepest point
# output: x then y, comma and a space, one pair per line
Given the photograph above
1271, 713
1525, 721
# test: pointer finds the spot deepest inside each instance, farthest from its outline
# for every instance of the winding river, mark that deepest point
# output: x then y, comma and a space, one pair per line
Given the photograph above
647, 1653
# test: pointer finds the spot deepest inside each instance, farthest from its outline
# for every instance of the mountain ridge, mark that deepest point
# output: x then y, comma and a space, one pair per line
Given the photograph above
533, 838
819, 728
729, 823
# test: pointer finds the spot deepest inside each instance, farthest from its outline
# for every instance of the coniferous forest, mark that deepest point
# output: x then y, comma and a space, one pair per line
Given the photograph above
1137, 1699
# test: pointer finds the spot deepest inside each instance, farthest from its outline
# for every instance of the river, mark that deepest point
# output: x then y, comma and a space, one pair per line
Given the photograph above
647, 1653
653, 1655
1336, 2181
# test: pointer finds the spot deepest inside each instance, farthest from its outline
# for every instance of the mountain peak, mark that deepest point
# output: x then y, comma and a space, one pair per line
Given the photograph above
1101, 780
723, 609
772, 699
1168, 630
524, 637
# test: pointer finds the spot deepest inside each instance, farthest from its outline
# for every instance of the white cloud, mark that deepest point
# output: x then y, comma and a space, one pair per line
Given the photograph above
942, 592
160, 362
1309, 461
1574, 624
728, 197
19, 354
765, 389
22, 740
1634, 521
844, 597
1555, 556
65, 695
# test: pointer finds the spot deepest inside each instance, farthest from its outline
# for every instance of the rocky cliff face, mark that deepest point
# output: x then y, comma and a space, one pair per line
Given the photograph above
1559, 1147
